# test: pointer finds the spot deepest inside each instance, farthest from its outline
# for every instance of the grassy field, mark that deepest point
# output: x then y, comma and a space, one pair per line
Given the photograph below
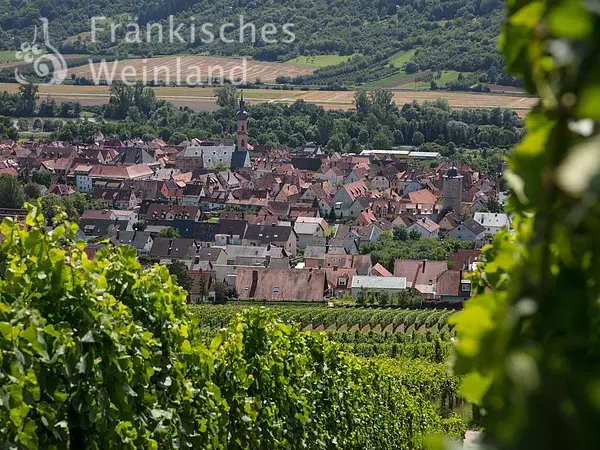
401, 80
402, 58
7, 56
318, 61
447, 76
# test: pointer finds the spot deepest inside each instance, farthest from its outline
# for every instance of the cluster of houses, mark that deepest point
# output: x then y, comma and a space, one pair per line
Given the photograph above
272, 223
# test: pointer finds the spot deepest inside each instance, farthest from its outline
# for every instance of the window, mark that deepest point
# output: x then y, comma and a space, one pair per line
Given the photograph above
465, 287
341, 282
276, 289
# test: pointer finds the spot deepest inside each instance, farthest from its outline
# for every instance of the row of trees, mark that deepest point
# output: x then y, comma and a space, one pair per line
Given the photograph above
402, 298
390, 247
24, 104
13, 194
377, 122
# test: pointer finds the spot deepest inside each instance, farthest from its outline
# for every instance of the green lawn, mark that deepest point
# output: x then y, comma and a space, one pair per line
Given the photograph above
392, 80
447, 75
319, 60
7, 56
399, 59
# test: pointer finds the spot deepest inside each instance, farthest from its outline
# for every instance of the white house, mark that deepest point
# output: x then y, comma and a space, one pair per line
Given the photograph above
469, 230
377, 284
306, 231
333, 175
345, 200
83, 178
493, 222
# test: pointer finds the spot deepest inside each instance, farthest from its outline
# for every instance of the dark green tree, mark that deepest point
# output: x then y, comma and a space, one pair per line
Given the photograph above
32, 191
414, 235
168, 232
179, 271
400, 234
11, 192
42, 177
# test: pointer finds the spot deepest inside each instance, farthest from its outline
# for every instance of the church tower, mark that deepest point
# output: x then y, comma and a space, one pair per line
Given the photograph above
242, 126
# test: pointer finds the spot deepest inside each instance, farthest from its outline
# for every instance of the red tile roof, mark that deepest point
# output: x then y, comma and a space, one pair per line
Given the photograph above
380, 271
356, 189
280, 284
448, 283
421, 274
423, 196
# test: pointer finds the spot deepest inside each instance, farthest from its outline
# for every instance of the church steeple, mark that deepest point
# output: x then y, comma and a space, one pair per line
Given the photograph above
242, 125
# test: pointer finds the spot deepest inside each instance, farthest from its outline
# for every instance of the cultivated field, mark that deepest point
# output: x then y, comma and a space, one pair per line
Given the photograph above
318, 60
7, 56
199, 68
8, 59
402, 58
202, 99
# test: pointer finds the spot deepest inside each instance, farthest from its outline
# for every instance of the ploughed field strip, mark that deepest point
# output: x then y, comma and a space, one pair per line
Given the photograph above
267, 72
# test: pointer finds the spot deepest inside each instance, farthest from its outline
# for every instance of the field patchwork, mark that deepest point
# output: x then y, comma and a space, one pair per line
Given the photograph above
190, 69
319, 60
202, 98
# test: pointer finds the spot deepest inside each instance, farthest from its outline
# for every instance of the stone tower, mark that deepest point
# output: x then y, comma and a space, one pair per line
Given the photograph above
453, 190
242, 126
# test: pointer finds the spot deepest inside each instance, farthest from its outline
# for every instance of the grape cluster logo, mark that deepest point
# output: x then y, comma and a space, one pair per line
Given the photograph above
46, 59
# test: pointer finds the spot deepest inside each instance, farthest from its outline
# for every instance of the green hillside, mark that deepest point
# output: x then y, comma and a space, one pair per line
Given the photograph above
460, 35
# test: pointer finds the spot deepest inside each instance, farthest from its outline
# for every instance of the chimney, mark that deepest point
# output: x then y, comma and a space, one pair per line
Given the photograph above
335, 267
424, 262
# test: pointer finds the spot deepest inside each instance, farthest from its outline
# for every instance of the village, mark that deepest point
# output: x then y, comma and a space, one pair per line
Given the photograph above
272, 223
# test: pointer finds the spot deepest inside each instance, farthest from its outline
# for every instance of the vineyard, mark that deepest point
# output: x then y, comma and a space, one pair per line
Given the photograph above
432, 381
412, 346
322, 318
105, 354
434, 347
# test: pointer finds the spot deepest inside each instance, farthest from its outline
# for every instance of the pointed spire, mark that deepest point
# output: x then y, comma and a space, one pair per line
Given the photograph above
242, 102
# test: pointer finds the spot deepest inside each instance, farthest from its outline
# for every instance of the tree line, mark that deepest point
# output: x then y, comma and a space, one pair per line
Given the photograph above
377, 122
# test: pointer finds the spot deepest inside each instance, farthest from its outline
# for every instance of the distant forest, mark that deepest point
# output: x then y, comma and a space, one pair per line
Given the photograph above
459, 35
